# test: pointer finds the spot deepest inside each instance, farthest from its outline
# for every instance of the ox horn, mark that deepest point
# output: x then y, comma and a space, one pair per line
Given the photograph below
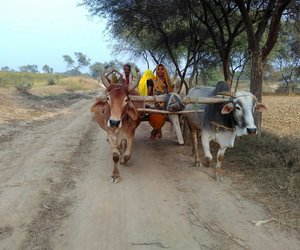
104, 81
227, 93
255, 99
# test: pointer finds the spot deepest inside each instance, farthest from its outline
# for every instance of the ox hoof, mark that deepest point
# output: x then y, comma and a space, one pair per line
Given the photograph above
197, 165
125, 159
218, 176
207, 162
116, 179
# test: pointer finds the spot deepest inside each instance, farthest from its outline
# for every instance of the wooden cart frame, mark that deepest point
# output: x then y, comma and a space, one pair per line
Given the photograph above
177, 117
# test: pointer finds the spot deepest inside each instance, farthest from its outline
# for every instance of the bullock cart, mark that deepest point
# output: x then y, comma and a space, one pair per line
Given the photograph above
120, 110
172, 105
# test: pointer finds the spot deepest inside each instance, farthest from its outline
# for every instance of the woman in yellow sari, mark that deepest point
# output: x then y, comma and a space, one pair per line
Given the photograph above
145, 83
161, 85
155, 85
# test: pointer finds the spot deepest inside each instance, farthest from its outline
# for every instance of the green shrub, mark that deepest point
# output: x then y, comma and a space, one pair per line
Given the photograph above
51, 81
24, 87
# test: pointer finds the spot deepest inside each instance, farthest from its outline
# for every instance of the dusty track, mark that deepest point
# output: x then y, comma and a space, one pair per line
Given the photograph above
55, 193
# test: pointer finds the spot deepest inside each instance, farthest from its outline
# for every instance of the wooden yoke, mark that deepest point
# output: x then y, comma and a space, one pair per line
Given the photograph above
185, 100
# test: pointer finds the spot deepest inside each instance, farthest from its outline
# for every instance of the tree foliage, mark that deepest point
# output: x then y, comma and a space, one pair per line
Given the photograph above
194, 36
266, 24
5, 68
46, 69
97, 68
33, 68
287, 54
81, 61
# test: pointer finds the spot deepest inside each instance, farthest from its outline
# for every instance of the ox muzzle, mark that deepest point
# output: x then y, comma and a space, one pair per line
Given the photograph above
114, 123
251, 131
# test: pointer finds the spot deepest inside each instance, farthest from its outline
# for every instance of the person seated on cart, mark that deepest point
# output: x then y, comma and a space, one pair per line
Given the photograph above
156, 85
128, 76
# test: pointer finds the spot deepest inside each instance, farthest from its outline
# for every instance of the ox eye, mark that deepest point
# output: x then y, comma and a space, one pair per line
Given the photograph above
107, 97
127, 99
237, 108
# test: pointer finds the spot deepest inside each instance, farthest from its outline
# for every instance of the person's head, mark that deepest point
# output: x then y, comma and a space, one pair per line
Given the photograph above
160, 70
127, 68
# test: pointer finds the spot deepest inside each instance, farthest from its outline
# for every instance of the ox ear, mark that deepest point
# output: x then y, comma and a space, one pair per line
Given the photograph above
132, 111
260, 107
227, 108
101, 101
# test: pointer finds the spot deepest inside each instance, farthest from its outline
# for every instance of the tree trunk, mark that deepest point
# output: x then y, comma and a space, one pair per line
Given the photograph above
257, 67
227, 72
192, 76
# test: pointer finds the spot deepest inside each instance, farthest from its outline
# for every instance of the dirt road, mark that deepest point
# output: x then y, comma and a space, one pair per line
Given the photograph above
56, 193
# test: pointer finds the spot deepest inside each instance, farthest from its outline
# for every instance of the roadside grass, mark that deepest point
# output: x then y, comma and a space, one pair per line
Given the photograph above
29, 96
78, 83
273, 164
11, 79
47, 84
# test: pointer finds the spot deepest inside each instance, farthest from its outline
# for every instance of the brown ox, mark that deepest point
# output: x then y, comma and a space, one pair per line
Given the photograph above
118, 116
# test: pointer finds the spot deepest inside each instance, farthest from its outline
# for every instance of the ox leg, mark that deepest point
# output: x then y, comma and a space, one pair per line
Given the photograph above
220, 159
127, 154
123, 150
206, 149
116, 174
195, 148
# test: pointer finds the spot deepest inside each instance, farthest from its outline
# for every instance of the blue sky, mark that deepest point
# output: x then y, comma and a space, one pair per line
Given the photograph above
40, 32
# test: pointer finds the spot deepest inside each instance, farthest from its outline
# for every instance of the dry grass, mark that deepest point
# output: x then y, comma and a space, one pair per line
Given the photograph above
272, 164
42, 100
283, 115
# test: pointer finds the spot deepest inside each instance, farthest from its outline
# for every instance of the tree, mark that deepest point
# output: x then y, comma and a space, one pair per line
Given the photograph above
165, 34
46, 69
288, 54
96, 69
5, 68
269, 14
224, 24
70, 62
185, 32
29, 68
81, 59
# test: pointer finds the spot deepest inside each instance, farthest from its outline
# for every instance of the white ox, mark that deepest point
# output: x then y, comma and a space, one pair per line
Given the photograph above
221, 122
